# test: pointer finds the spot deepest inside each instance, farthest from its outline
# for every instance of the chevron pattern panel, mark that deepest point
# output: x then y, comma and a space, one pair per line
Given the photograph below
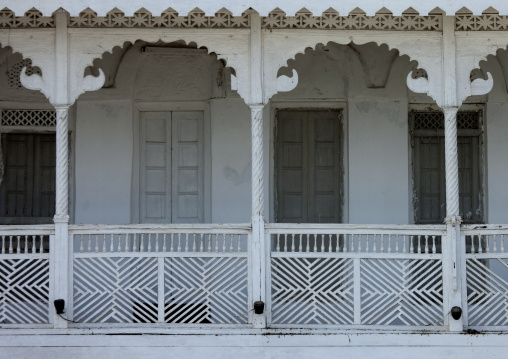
312, 291
198, 290
401, 292
24, 291
206, 290
115, 290
487, 291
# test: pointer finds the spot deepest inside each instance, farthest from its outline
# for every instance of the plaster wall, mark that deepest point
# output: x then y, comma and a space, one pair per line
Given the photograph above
497, 168
231, 161
378, 162
103, 161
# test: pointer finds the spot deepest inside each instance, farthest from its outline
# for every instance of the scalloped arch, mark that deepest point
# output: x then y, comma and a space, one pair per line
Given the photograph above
231, 52
314, 48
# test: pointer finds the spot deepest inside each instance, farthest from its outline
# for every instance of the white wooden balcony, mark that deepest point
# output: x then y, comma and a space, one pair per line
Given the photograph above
328, 277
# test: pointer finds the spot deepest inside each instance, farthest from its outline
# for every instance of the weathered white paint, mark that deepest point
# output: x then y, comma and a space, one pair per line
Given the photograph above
262, 6
377, 132
378, 166
104, 131
231, 161
273, 344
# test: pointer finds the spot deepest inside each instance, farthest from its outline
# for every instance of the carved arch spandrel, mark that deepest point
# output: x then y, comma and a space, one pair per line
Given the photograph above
426, 50
85, 47
38, 46
471, 51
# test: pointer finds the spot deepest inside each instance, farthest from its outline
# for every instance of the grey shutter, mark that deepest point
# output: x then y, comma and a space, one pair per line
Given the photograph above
155, 178
27, 193
292, 166
470, 202
308, 166
430, 191
429, 167
188, 167
172, 168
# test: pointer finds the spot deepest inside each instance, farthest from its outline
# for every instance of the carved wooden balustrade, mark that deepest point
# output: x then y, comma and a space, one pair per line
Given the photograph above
486, 279
317, 276
25, 276
352, 276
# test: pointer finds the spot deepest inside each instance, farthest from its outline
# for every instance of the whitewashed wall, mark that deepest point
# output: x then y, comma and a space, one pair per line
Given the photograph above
104, 148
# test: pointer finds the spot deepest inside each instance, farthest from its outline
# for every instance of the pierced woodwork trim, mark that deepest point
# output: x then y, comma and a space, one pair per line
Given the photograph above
486, 22
333, 21
277, 19
33, 19
168, 19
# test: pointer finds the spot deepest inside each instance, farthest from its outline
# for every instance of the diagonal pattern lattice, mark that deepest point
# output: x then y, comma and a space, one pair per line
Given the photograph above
312, 291
206, 290
401, 292
487, 291
115, 290
24, 291
125, 290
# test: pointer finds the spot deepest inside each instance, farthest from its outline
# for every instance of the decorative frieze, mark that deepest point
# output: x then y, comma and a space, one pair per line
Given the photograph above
168, 19
331, 20
33, 19
485, 22
277, 19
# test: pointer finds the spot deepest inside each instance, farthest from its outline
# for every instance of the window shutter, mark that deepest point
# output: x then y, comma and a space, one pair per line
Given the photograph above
188, 167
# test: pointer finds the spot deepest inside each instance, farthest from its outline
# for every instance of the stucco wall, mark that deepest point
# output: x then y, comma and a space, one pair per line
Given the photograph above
103, 161
231, 161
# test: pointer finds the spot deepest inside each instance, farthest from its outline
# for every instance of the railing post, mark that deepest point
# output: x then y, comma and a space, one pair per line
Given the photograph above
452, 246
257, 243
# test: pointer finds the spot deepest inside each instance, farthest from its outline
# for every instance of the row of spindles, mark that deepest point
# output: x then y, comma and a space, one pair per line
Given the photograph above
22, 244
165, 242
486, 244
356, 243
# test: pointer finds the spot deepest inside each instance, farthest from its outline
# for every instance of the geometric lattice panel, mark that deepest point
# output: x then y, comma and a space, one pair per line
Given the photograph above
487, 291
401, 292
206, 290
24, 291
28, 118
312, 291
115, 290
435, 121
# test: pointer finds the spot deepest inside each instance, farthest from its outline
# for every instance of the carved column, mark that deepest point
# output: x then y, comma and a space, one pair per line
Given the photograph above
62, 164
257, 160
256, 252
451, 166
60, 250
452, 247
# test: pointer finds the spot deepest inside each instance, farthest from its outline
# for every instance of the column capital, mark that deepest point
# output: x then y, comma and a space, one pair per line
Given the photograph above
450, 109
61, 107
256, 106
